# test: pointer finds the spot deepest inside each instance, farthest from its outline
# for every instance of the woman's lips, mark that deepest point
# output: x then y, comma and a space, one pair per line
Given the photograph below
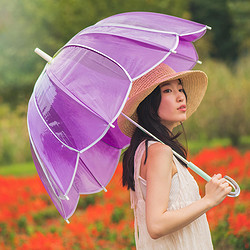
182, 108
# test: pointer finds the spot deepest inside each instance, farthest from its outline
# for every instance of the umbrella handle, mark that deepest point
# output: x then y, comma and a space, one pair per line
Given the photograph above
234, 185
206, 177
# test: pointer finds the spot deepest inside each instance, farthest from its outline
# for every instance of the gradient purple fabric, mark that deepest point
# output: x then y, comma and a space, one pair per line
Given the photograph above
72, 113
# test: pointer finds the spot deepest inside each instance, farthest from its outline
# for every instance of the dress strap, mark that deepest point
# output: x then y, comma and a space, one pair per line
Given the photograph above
135, 225
137, 165
133, 199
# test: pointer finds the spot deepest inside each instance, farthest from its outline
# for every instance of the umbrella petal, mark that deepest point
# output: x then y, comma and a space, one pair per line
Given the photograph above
96, 167
155, 21
64, 207
57, 160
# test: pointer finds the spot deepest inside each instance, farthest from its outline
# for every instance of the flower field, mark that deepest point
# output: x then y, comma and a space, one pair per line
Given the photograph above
29, 220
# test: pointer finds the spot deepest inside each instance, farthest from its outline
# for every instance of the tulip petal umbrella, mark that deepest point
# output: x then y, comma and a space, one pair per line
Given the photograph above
72, 113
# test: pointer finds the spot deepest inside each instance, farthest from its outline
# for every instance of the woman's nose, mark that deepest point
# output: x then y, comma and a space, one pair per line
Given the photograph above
180, 97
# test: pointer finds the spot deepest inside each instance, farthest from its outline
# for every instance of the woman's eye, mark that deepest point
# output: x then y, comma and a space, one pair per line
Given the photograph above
167, 90
181, 90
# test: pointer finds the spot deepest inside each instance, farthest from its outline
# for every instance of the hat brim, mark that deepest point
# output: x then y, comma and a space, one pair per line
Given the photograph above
194, 83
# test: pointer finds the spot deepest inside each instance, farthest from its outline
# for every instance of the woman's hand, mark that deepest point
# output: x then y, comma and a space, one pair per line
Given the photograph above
216, 190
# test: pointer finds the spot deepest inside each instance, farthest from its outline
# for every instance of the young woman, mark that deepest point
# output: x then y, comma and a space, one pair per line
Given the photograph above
169, 212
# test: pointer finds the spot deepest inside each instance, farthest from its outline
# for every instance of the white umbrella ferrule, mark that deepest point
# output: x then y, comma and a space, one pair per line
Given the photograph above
111, 125
173, 51
44, 55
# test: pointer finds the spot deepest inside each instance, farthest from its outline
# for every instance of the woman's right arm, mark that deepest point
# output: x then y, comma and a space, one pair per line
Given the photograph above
159, 220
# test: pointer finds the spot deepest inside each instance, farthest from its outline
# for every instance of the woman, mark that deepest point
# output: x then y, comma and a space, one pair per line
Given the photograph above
169, 212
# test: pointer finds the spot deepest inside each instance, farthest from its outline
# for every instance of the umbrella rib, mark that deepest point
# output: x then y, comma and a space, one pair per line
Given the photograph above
147, 29
198, 31
73, 176
187, 58
127, 26
130, 38
88, 170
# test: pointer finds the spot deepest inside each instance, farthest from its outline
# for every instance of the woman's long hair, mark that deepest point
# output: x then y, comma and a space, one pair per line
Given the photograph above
148, 118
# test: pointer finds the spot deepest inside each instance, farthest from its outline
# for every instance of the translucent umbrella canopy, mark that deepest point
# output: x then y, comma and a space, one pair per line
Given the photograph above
75, 140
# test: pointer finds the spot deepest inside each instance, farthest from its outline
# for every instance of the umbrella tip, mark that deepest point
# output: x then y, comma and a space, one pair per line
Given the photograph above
199, 62
67, 221
111, 125
42, 54
173, 51
209, 28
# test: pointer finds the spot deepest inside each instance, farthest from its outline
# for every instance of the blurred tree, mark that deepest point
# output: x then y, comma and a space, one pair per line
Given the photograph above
25, 25
224, 111
216, 13
240, 11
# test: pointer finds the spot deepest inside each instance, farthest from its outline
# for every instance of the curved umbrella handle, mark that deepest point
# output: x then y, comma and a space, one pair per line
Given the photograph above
234, 185
206, 177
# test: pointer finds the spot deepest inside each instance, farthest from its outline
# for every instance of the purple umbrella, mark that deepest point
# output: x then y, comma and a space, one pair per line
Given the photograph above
74, 137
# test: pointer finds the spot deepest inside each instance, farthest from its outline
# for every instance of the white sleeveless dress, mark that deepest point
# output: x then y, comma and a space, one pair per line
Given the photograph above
184, 191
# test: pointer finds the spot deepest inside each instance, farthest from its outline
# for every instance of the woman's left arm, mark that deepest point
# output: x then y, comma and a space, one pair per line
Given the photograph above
159, 220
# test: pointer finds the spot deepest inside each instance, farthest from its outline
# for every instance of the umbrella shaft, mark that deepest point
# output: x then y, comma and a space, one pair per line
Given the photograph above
199, 171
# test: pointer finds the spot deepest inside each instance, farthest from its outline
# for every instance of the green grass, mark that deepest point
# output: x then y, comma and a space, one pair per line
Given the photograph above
22, 169
195, 147
245, 140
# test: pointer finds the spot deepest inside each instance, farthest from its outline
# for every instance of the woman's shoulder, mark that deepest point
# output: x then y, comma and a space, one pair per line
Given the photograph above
160, 148
159, 154
159, 164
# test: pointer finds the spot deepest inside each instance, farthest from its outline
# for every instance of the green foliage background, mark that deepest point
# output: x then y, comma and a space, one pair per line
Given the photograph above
49, 24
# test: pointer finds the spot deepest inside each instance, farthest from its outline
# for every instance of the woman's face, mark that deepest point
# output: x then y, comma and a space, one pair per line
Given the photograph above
172, 108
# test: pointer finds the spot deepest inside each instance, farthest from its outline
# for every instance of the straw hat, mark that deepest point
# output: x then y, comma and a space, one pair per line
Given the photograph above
194, 83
